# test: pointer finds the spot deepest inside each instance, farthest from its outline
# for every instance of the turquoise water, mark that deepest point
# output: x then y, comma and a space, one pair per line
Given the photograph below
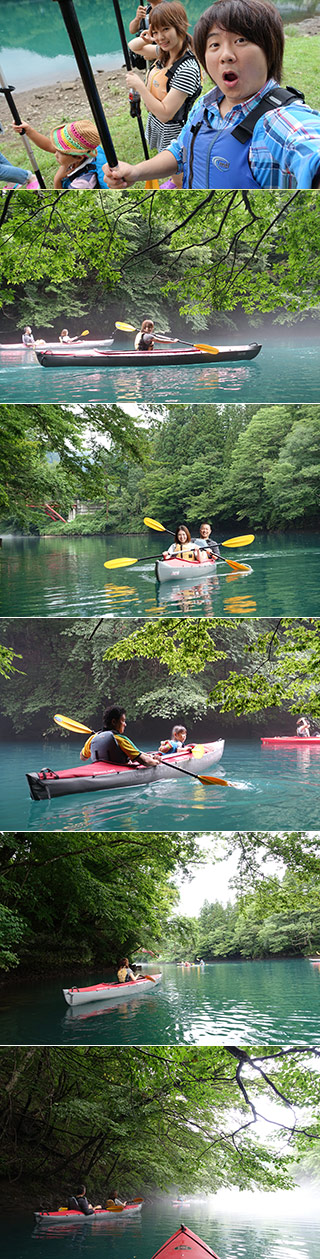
36, 49
255, 1226
283, 372
59, 576
264, 1002
273, 789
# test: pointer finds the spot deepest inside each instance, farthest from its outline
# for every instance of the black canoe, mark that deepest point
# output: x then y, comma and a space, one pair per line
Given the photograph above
152, 358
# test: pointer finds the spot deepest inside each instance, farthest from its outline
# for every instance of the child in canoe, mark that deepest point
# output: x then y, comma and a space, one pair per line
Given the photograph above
75, 148
174, 80
247, 132
175, 744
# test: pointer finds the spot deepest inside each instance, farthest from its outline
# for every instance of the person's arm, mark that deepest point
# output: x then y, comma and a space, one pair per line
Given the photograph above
163, 110
135, 21
124, 176
60, 174
36, 137
141, 46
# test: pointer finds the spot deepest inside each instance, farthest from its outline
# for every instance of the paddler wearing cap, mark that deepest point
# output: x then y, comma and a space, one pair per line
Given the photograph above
75, 147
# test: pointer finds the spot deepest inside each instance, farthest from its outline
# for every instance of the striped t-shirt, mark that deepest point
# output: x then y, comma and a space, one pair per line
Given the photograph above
187, 79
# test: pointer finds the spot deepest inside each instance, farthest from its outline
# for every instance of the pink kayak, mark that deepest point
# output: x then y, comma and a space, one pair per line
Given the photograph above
63, 1216
184, 1245
100, 776
291, 740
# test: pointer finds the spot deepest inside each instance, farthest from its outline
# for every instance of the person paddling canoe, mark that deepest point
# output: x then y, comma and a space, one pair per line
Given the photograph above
27, 336
125, 974
111, 745
207, 546
79, 1202
145, 339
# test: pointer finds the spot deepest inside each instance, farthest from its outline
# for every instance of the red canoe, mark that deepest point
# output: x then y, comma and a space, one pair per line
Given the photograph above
292, 740
184, 1245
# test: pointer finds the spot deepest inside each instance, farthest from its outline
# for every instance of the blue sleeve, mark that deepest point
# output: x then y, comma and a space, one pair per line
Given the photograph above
289, 139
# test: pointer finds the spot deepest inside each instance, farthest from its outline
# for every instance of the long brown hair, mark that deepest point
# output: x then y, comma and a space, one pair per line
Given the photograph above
171, 14
185, 530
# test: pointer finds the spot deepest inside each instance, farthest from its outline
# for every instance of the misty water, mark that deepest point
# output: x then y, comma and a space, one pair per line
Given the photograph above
237, 1226
65, 576
35, 48
246, 1002
286, 370
271, 788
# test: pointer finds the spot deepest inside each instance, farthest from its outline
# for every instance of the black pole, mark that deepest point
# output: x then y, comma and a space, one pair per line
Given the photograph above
72, 26
6, 207
133, 96
6, 90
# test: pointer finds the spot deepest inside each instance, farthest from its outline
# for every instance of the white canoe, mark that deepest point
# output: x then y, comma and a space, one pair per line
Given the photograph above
175, 569
97, 776
108, 992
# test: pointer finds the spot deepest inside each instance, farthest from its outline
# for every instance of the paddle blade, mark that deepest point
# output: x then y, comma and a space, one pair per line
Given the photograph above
86, 332
198, 751
238, 568
154, 524
152, 183
206, 778
244, 541
68, 724
122, 563
125, 327
209, 349
152, 981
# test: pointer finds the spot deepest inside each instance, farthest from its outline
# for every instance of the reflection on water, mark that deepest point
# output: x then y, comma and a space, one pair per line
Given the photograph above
65, 576
283, 372
268, 1002
282, 787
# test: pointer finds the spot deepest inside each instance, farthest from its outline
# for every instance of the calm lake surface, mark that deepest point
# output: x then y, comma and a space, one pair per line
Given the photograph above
285, 371
35, 47
265, 1002
60, 576
247, 1226
272, 789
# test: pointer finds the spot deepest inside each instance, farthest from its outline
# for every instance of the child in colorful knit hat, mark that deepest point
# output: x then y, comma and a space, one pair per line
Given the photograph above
75, 147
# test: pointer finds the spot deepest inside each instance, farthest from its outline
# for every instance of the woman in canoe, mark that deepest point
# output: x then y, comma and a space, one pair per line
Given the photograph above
111, 744
182, 546
174, 80
247, 131
125, 974
146, 338
303, 728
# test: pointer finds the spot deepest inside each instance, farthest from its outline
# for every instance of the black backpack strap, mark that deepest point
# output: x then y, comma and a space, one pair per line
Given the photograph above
277, 96
182, 113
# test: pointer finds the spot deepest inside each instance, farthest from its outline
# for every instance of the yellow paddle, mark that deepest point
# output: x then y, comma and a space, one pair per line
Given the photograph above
244, 540
209, 349
77, 728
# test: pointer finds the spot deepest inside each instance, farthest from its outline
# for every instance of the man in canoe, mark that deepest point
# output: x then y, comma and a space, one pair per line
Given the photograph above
111, 744
206, 544
79, 1202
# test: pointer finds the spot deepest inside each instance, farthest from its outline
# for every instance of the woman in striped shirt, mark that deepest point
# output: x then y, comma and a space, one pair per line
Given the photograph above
174, 80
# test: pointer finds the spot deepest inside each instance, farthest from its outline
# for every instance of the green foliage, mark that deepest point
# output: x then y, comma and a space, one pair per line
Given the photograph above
87, 899
59, 454
210, 254
105, 1114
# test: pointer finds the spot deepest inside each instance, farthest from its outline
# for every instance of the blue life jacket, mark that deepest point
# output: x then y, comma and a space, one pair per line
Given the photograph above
100, 162
220, 159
